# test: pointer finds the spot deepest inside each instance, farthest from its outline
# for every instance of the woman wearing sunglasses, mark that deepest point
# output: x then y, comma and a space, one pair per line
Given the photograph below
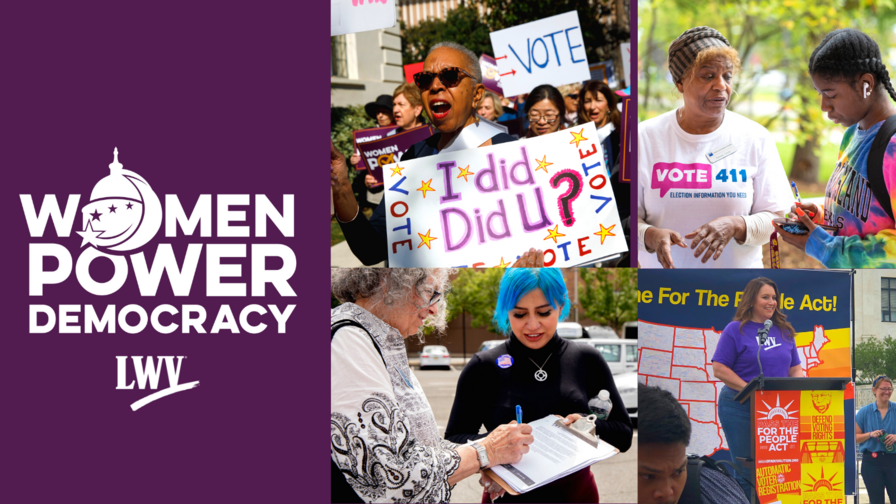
545, 110
878, 454
451, 85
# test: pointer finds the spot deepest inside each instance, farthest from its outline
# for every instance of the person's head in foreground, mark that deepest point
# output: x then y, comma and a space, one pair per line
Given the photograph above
451, 85
380, 110
664, 432
407, 105
703, 66
545, 110
597, 103
759, 303
490, 107
531, 303
851, 78
407, 299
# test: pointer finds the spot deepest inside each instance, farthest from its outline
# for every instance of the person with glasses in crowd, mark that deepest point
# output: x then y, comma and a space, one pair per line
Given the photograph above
545, 110
542, 373
384, 442
451, 86
878, 453
706, 174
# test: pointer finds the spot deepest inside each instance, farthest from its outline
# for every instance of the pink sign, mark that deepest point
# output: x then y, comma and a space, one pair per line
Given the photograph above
680, 176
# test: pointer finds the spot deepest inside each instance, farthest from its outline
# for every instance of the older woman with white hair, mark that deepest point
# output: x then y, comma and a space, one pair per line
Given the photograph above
384, 442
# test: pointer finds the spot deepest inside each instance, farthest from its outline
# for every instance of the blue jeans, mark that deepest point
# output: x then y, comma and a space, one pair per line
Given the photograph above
735, 419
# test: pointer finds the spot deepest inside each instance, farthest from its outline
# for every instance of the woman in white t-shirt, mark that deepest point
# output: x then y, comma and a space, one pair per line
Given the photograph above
706, 174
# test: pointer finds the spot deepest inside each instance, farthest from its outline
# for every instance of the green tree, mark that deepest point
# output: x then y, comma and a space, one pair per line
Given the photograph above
461, 25
609, 297
475, 292
875, 357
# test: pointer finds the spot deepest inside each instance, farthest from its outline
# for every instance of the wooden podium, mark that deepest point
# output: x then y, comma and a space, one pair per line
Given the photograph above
797, 439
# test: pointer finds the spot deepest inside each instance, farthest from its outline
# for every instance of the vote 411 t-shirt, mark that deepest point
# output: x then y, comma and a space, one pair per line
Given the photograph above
680, 189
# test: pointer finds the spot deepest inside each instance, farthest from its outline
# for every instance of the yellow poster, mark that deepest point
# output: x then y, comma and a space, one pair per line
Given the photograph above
822, 447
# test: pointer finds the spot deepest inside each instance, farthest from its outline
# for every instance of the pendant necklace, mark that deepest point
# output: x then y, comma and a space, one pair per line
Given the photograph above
541, 374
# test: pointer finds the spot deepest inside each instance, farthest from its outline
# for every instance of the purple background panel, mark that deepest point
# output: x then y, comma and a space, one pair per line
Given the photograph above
217, 98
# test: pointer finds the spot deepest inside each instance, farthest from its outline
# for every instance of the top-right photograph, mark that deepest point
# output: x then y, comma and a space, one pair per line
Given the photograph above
765, 135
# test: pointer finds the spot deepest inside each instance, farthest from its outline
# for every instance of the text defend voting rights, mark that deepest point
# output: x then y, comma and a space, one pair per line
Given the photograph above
484, 207
547, 51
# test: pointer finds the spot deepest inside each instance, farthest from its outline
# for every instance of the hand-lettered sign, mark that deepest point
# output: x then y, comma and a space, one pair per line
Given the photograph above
389, 149
368, 135
353, 16
490, 78
547, 51
484, 207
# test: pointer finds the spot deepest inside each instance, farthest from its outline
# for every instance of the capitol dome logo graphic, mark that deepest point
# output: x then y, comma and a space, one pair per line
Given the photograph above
123, 213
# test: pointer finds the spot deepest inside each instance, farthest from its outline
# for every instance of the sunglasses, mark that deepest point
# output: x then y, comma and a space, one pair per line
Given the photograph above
450, 77
574, 96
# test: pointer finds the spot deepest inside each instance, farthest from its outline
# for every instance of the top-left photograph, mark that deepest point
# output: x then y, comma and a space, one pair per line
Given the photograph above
480, 134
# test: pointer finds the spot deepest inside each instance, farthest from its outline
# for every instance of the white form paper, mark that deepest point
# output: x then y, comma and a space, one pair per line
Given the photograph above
556, 452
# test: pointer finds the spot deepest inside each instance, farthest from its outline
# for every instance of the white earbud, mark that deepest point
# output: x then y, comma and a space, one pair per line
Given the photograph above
866, 90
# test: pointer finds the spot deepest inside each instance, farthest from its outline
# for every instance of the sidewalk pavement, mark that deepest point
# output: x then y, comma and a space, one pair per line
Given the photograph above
341, 256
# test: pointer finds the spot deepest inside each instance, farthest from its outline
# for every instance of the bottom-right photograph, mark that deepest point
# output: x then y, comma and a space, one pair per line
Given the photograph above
766, 386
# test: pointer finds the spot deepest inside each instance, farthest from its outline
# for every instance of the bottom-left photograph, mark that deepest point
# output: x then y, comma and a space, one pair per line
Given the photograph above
483, 385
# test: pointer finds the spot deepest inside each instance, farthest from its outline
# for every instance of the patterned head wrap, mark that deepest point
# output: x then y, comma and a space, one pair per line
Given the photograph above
684, 50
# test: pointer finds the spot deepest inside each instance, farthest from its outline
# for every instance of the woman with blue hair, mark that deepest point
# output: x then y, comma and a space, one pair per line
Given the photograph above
542, 373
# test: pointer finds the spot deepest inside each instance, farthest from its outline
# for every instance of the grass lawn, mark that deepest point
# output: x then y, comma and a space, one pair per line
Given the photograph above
828, 155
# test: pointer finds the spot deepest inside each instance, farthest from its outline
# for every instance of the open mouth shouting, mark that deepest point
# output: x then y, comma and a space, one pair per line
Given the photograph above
439, 108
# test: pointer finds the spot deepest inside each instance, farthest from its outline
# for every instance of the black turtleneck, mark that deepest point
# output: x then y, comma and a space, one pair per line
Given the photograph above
488, 394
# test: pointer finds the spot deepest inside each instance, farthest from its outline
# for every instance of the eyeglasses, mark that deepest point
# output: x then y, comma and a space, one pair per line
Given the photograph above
449, 77
574, 96
434, 297
885, 389
536, 118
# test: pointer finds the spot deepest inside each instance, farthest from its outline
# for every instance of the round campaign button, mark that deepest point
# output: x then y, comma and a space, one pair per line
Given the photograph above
874, 455
504, 361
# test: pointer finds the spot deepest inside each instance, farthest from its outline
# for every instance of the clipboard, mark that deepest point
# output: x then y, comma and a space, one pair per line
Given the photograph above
559, 423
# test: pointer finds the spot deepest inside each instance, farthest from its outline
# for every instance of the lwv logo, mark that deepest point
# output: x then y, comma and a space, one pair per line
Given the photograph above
151, 372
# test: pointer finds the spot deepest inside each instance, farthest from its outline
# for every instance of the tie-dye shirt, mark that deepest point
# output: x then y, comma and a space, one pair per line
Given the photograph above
865, 236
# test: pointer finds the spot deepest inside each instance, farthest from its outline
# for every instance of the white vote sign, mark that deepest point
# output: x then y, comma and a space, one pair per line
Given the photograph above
547, 51
484, 207
353, 16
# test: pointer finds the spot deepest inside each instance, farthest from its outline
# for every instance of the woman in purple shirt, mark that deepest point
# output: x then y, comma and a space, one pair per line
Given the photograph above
734, 362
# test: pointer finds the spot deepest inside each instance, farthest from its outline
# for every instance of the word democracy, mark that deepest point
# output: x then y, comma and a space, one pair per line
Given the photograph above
163, 319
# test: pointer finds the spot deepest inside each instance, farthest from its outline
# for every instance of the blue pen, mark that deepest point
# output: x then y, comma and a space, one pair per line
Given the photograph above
797, 191
519, 414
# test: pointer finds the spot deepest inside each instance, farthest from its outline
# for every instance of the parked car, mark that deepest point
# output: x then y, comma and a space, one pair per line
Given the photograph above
570, 330
627, 385
621, 354
434, 355
488, 345
598, 332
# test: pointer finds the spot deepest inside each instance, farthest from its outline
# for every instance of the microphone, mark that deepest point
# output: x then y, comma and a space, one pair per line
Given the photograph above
763, 335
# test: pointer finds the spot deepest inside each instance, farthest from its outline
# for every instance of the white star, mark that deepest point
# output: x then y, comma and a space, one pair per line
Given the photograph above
89, 235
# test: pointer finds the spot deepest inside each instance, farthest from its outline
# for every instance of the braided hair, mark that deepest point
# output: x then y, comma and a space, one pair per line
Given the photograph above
846, 54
